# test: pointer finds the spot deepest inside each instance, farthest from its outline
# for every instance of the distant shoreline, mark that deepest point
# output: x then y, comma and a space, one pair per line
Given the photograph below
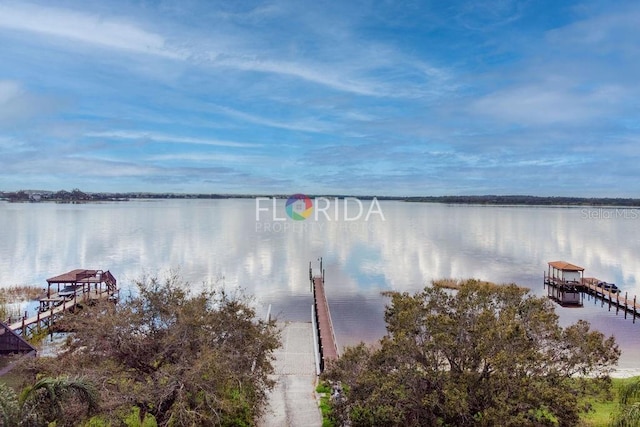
77, 196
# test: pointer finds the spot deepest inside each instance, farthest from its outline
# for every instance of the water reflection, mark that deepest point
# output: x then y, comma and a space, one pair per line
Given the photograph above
220, 241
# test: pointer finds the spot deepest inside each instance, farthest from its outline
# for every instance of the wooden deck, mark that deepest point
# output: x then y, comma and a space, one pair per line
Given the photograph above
626, 303
59, 306
79, 287
629, 304
328, 345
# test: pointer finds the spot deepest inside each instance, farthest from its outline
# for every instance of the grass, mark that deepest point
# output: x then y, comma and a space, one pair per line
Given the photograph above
455, 284
324, 390
21, 293
14, 378
17, 293
603, 408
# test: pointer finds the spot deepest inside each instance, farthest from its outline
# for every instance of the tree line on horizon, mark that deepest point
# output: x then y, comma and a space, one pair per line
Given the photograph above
78, 196
529, 200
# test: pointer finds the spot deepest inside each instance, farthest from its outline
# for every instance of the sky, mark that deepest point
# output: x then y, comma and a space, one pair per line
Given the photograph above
396, 98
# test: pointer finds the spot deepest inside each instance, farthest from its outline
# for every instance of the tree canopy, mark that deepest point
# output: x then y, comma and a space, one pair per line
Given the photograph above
169, 355
481, 355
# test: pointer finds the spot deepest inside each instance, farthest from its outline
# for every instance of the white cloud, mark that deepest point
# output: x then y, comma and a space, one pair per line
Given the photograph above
208, 157
165, 138
9, 90
548, 103
610, 31
369, 72
296, 125
342, 67
18, 104
84, 27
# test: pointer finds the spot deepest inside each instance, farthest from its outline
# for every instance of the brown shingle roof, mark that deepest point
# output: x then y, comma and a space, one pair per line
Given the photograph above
566, 266
74, 276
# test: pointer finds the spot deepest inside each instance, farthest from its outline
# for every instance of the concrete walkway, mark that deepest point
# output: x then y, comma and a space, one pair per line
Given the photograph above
292, 402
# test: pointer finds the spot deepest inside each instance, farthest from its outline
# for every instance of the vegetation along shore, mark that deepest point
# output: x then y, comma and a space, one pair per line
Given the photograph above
458, 353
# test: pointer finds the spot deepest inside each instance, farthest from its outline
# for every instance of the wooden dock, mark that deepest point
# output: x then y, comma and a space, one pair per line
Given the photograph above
80, 287
567, 285
327, 343
613, 299
45, 319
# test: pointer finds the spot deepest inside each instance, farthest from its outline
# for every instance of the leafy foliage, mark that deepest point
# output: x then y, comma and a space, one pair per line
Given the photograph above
481, 355
9, 406
629, 412
201, 359
50, 400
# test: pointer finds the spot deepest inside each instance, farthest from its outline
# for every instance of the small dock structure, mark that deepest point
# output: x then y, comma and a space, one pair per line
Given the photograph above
566, 284
563, 281
327, 346
65, 293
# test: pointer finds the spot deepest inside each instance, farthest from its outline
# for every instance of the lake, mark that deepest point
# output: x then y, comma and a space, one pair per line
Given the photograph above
254, 245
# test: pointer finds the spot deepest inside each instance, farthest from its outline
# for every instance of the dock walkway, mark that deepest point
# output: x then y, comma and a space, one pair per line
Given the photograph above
44, 319
292, 402
79, 286
626, 303
327, 343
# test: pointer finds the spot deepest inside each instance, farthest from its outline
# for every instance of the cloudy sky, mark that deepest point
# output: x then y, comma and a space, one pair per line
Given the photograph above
379, 97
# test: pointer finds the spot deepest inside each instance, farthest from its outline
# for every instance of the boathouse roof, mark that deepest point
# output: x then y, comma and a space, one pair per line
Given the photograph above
75, 276
565, 266
10, 342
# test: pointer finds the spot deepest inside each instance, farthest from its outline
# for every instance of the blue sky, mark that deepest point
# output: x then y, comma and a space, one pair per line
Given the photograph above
351, 97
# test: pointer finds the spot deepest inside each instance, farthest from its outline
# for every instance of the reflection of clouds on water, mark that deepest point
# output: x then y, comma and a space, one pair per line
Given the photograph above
220, 241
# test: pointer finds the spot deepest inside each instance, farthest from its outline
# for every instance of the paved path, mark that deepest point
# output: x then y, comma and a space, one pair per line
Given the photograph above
292, 402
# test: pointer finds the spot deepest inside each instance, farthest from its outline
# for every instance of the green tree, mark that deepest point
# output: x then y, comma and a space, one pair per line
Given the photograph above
200, 358
482, 355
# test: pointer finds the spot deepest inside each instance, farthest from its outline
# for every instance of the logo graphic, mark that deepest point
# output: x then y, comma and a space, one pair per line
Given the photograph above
299, 207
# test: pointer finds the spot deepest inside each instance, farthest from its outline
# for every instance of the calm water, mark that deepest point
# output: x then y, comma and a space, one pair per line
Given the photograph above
221, 241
